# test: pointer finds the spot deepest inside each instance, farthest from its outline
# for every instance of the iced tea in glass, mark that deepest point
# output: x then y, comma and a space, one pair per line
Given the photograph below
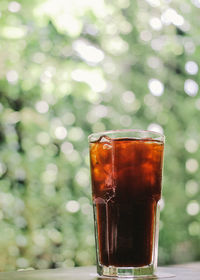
126, 174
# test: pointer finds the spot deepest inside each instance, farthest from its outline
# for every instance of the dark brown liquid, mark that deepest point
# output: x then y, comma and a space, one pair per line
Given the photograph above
126, 182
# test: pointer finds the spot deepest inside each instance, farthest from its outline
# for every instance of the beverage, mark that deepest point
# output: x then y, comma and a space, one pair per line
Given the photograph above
126, 177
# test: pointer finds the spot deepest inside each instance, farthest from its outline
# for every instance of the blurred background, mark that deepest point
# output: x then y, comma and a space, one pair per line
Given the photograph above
70, 68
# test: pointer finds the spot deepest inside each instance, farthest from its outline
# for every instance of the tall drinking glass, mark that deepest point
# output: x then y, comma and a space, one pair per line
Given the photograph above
126, 174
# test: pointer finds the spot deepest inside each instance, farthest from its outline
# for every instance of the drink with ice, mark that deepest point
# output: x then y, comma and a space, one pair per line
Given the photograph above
126, 177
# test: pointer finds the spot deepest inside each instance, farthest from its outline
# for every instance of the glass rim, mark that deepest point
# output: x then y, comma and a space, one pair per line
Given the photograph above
157, 135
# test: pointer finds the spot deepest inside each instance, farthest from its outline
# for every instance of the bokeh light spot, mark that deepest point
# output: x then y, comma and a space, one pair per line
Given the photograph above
86, 208
20, 174
50, 174
156, 87
116, 46
196, 3
55, 235
72, 206
76, 134
22, 262
171, 16
155, 23
145, 35
98, 126
12, 76
82, 177
13, 32
39, 57
39, 239
101, 111
68, 118
88, 52
43, 138
14, 7
67, 148
154, 62
74, 158
21, 240
93, 78
191, 188
194, 228
191, 67
60, 132
191, 145
125, 120
20, 222
125, 27
128, 97
189, 46
42, 107
193, 208
158, 43
192, 165
191, 87
13, 117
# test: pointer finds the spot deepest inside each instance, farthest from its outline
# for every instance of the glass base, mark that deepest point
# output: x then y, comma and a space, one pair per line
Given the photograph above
113, 271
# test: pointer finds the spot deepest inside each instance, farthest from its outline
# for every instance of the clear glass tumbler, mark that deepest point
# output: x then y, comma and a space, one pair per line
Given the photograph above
126, 174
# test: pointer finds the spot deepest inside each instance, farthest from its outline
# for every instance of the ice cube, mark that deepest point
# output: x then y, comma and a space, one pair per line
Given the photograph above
105, 139
107, 147
110, 195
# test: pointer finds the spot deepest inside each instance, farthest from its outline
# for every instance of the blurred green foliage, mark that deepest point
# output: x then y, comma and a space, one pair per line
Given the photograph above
70, 68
